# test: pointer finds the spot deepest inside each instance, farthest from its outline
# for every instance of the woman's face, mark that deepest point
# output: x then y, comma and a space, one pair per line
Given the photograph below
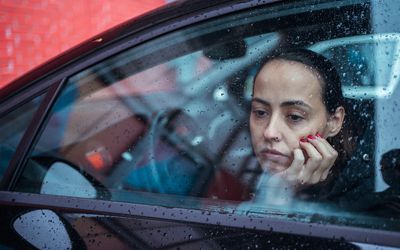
286, 107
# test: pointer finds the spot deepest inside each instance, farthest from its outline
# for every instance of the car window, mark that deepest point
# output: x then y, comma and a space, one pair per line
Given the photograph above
167, 122
13, 126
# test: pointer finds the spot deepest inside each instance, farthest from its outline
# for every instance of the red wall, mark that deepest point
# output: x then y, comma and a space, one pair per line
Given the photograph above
32, 31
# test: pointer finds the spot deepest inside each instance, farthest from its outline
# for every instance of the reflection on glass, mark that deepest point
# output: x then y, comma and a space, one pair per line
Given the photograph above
13, 126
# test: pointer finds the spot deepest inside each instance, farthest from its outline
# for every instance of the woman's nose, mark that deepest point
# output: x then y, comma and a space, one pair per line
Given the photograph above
272, 131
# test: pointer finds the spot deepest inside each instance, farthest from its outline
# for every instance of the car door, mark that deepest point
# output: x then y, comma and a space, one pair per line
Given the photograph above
144, 142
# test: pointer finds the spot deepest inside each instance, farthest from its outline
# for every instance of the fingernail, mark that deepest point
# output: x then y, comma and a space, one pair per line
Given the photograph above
311, 137
319, 135
303, 140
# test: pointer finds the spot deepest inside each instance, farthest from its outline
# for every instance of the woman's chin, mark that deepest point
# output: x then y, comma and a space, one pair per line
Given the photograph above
273, 167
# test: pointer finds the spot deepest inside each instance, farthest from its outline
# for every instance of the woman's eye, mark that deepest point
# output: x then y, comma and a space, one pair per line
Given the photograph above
260, 113
295, 118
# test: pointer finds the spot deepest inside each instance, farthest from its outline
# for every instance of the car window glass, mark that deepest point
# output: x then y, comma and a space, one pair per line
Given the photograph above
167, 122
13, 126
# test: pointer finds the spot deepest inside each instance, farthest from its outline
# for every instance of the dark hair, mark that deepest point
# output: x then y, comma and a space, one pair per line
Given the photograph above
332, 95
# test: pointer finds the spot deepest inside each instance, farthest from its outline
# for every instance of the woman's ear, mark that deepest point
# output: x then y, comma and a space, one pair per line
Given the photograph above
335, 121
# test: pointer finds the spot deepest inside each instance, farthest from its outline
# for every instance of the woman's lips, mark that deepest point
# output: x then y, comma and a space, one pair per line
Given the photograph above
274, 155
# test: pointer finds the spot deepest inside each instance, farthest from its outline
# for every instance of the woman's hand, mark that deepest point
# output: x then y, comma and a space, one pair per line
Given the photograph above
311, 164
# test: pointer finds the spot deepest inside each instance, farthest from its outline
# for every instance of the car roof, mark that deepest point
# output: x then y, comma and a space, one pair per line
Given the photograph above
163, 14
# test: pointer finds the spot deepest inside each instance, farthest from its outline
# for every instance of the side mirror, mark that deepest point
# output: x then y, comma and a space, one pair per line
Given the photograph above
44, 229
34, 227
63, 179
55, 176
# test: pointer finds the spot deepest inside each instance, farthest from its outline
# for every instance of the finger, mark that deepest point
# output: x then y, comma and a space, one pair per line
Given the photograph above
329, 156
321, 176
325, 174
316, 177
296, 166
314, 157
298, 161
326, 143
323, 147
312, 164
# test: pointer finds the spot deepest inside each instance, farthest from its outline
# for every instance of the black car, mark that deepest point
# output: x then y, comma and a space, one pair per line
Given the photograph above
139, 137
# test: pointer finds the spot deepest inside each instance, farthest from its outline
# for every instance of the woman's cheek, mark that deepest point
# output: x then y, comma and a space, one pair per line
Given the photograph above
301, 138
294, 144
304, 134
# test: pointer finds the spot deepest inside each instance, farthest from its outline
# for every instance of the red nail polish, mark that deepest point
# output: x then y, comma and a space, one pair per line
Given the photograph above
319, 135
303, 140
311, 137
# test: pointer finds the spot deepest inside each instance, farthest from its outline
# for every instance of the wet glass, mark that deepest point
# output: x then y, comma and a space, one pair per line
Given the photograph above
13, 126
167, 122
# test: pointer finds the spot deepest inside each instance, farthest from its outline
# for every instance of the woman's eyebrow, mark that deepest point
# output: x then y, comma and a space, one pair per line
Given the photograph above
284, 104
296, 103
259, 100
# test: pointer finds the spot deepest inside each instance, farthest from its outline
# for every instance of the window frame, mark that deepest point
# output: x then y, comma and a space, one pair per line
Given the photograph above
249, 221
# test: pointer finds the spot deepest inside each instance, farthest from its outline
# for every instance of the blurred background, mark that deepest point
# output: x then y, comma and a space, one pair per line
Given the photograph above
33, 31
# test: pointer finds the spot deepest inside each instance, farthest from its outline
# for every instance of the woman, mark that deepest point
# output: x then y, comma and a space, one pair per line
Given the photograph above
297, 107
